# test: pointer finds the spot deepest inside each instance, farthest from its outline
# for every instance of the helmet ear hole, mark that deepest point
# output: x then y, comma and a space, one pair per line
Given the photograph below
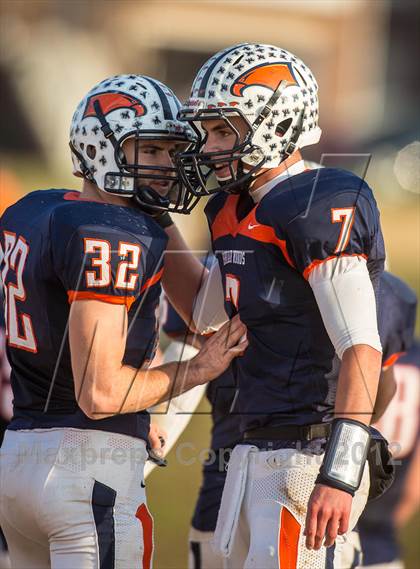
91, 151
283, 127
82, 146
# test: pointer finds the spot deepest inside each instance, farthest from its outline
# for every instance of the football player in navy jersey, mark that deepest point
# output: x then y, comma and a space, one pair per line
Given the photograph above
225, 435
81, 274
379, 524
300, 254
5, 389
5, 413
396, 320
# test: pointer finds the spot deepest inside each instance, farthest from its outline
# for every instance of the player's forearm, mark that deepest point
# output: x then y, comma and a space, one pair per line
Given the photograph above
358, 383
134, 390
183, 274
104, 386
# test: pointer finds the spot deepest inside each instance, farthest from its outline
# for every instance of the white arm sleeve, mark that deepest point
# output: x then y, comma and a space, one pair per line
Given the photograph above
175, 417
346, 300
209, 309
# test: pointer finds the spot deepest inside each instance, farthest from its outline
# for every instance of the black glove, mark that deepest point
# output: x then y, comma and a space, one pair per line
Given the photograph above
381, 467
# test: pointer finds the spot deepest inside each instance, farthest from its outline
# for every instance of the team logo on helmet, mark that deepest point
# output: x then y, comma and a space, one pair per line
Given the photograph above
111, 101
266, 75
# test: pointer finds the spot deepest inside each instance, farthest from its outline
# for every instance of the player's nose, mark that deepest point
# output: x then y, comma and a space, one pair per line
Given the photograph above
167, 159
211, 144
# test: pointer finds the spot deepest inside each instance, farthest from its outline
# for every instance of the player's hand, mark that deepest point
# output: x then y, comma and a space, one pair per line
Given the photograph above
221, 348
157, 439
328, 515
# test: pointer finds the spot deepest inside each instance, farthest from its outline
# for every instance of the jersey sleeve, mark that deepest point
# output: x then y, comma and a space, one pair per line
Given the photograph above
101, 263
345, 223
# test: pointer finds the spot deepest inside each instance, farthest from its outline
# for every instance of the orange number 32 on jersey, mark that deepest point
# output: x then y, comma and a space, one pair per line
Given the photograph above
101, 273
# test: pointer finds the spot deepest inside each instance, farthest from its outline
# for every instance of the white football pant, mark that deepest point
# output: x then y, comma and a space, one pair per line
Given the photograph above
73, 498
267, 529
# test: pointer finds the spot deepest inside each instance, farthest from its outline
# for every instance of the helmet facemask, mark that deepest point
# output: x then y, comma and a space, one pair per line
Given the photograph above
137, 179
197, 166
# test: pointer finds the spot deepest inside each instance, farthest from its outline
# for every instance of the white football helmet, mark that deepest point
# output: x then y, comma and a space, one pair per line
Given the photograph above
119, 108
272, 90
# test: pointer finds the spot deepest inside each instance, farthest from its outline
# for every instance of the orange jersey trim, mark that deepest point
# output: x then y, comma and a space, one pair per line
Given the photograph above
75, 196
288, 540
226, 223
392, 360
109, 298
317, 262
152, 281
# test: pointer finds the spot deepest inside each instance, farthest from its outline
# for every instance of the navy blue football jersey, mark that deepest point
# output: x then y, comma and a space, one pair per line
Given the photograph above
57, 248
397, 304
397, 312
378, 534
266, 256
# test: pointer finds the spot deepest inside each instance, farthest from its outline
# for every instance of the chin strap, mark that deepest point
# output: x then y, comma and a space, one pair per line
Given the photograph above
147, 199
267, 109
106, 129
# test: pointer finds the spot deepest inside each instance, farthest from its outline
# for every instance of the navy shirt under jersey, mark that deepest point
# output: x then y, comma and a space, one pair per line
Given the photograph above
265, 257
56, 248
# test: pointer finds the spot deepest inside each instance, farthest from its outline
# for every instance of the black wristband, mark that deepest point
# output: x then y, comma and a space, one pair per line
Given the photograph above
164, 220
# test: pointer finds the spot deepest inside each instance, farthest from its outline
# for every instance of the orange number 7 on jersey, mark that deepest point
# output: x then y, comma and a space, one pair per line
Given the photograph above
345, 216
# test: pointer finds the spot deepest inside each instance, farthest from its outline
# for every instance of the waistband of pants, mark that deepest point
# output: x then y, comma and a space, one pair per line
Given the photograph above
80, 439
289, 433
